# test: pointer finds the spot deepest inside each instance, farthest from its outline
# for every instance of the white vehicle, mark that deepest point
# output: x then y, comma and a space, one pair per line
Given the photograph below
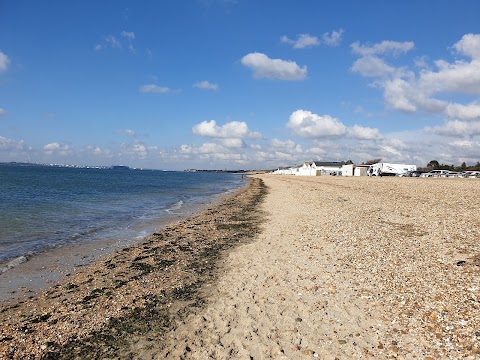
435, 173
471, 174
454, 174
385, 169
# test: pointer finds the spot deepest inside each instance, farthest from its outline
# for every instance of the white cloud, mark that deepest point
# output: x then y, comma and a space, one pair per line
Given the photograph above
2, 111
390, 150
469, 45
287, 145
334, 38
397, 95
372, 66
230, 130
57, 149
308, 124
382, 48
10, 144
213, 152
466, 112
135, 150
469, 144
264, 67
4, 62
206, 85
460, 77
303, 41
456, 128
431, 87
233, 143
152, 88
364, 133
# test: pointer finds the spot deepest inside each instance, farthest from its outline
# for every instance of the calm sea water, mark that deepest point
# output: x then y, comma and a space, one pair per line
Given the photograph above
45, 207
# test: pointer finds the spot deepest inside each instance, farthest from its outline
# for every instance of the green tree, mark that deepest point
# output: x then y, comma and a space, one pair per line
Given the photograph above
433, 164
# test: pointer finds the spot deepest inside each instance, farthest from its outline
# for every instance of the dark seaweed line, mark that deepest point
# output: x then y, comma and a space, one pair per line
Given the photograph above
152, 322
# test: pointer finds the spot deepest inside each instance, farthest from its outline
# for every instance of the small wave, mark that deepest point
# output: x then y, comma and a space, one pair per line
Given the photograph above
13, 263
175, 207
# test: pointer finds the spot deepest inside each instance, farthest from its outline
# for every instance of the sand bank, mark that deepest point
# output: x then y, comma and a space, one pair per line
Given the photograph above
339, 268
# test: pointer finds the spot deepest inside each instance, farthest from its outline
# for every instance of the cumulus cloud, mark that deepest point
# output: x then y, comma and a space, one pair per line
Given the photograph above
303, 41
2, 111
334, 38
206, 85
230, 130
264, 67
57, 149
310, 125
152, 88
469, 45
430, 88
4, 62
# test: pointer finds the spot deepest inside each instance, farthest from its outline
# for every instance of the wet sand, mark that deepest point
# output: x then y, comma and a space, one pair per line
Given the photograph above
290, 267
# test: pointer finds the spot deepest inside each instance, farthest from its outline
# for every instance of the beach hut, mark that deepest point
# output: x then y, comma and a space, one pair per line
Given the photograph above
348, 169
361, 170
328, 167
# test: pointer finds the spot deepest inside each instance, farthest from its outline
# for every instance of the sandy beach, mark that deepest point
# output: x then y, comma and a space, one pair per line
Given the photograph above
288, 268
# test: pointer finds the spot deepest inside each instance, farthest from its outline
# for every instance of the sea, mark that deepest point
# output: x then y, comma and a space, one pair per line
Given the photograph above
47, 207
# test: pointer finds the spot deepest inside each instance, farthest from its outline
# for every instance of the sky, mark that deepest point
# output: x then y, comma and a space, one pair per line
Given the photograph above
239, 84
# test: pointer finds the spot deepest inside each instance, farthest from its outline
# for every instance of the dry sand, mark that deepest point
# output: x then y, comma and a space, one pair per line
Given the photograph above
347, 268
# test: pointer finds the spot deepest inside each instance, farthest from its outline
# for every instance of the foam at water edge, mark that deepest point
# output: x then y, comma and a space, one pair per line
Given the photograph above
13, 263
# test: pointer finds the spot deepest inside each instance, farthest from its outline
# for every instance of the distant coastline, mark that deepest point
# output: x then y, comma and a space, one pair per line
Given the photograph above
125, 167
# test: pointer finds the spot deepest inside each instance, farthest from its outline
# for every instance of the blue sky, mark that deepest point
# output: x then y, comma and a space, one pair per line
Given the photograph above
234, 84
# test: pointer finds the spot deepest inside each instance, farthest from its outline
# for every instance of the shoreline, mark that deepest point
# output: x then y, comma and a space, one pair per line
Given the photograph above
131, 293
36, 272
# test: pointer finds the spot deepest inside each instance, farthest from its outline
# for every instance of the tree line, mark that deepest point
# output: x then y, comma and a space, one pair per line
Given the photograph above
435, 165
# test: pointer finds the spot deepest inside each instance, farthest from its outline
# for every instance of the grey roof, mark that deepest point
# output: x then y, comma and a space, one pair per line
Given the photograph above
329, 163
